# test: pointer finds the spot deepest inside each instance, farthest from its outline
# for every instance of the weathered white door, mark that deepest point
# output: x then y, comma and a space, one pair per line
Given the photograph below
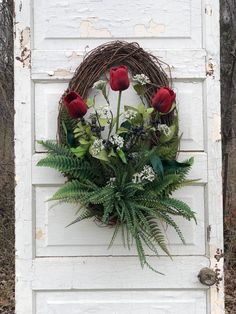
69, 270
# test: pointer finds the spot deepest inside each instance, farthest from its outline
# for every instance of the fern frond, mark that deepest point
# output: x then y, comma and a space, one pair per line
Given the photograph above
72, 191
140, 250
55, 148
169, 221
108, 208
68, 165
156, 235
86, 214
101, 195
182, 208
117, 228
161, 186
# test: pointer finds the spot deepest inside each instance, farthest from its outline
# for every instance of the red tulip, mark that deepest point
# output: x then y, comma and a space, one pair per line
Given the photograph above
75, 105
119, 79
163, 99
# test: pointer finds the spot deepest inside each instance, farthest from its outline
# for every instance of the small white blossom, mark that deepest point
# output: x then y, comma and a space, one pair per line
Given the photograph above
111, 181
137, 178
163, 128
141, 79
97, 147
117, 140
99, 84
104, 112
146, 174
130, 114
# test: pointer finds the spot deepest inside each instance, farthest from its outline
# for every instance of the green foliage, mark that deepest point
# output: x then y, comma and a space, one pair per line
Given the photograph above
138, 210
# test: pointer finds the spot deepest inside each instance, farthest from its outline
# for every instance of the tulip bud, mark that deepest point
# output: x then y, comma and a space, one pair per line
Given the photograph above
163, 99
75, 105
119, 79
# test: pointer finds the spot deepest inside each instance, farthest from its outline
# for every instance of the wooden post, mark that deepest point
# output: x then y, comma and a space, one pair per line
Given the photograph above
228, 110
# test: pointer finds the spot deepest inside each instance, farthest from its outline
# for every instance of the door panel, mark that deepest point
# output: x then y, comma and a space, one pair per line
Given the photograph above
68, 23
120, 302
53, 238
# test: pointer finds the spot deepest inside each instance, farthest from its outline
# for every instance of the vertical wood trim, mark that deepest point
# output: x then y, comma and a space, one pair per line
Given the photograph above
23, 153
213, 144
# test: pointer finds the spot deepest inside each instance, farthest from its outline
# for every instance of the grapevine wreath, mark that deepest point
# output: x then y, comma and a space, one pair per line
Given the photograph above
121, 166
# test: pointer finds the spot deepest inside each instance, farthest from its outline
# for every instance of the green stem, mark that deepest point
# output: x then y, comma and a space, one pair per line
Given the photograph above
118, 111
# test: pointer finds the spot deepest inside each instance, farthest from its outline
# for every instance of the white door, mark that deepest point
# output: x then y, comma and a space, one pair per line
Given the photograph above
69, 270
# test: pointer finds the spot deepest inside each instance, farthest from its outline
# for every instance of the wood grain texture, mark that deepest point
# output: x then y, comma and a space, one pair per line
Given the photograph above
23, 152
213, 120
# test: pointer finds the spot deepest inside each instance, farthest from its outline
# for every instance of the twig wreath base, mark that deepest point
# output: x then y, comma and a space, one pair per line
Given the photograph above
120, 172
98, 62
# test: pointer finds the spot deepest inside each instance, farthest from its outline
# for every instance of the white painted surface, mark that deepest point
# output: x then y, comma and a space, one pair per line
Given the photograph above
120, 302
69, 270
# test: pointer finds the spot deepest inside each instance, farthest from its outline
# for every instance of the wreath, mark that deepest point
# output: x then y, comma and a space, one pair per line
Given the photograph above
121, 166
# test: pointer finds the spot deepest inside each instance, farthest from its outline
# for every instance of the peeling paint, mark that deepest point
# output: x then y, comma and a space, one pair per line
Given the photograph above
217, 299
25, 37
87, 29
39, 234
208, 10
216, 134
25, 56
62, 72
20, 6
153, 29
59, 72
210, 68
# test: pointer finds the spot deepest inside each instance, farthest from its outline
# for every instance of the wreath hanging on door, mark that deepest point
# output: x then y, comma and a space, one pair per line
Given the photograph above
121, 166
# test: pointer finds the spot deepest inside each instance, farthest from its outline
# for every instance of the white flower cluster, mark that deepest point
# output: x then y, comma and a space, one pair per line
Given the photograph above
130, 114
146, 174
97, 147
99, 84
141, 79
104, 112
163, 128
117, 140
111, 181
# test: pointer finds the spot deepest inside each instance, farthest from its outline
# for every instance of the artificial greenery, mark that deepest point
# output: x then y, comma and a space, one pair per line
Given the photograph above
124, 174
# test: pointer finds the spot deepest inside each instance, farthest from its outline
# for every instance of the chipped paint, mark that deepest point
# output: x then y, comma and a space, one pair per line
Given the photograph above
153, 29
25, 55
20, 6
216, 133
59, 72
208, 10
24, 37
62, 72
217, 300
39, 234
87, 29
210, 68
